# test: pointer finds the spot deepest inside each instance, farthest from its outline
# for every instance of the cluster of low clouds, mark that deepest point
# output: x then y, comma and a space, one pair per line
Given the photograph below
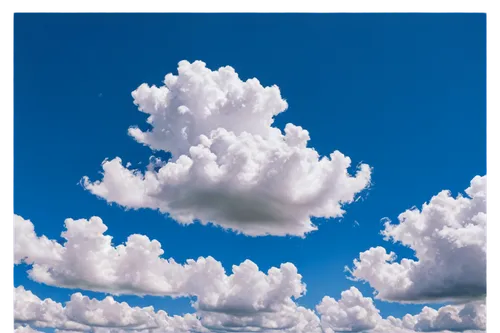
231, 168
352, 312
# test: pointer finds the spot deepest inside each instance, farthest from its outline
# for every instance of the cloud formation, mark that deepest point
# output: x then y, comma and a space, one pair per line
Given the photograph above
248, 300
25, 329
471, 316
229, 166
88, 260
288, 318
352, 313
355, 313
31, 310
82, 314
448, 236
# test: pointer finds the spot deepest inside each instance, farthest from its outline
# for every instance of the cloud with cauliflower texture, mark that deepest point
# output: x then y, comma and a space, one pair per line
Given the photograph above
448, 236
229, 165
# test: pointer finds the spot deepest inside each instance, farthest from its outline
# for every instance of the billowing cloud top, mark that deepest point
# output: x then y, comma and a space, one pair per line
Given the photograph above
352, 312
448, 236
229, 165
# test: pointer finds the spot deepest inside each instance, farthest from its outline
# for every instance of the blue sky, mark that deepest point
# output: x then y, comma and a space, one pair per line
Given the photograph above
404, 93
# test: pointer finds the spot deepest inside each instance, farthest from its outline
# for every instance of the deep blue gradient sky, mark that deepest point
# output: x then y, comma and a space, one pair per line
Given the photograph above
405, 93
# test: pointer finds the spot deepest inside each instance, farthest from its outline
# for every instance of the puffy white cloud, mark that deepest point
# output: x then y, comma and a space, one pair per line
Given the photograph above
448, 236
111, 315
289, 318
82, 314
390, 325
229, 165
88, 260
249, 290
471, 316
251, 301
352, 312
25, 329
355, 313
29, 309
28, 247
108, 313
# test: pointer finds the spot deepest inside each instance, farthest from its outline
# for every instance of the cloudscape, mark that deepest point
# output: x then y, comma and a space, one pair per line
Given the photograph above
250, 173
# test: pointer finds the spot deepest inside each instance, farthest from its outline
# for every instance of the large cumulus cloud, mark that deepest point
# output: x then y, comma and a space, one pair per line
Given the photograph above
229, 166
448, 236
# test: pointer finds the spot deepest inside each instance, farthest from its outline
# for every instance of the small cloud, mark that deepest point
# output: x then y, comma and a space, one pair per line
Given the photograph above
356, 223
100, 95
385, 220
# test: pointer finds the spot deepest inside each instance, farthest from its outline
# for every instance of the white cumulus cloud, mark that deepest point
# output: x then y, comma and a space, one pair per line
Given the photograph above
229, 166
82, 314
355, 313
88, 260
352, 312
29, 309
471, 316
289, 318
25, 329
448, 236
